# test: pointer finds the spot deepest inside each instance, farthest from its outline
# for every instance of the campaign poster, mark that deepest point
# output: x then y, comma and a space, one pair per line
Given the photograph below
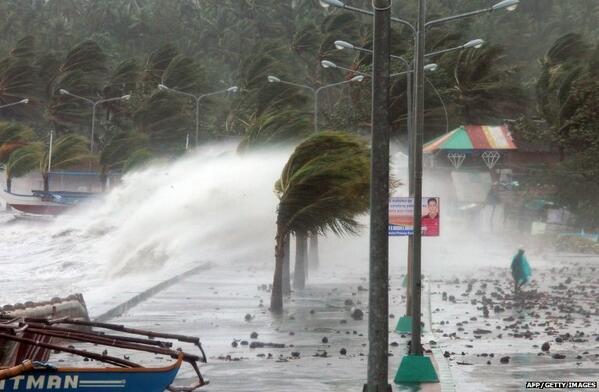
401, 216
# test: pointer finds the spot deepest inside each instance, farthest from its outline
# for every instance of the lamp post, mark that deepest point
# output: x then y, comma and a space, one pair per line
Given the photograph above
22, 101
94, 104
429, 67
416, 281
378, 295
426, 370
198, 99
316, 91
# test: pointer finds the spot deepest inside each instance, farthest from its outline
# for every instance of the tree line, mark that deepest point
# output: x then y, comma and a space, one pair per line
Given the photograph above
536, 68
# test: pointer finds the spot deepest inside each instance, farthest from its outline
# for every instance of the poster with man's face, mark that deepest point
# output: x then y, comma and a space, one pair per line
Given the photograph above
401, 216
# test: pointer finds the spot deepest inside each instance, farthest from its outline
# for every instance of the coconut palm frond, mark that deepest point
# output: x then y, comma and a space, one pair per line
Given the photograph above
184, 74
120, 147
324, 185
12, 137
25, 159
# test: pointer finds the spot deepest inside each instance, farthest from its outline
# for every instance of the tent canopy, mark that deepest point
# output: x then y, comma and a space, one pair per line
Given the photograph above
471, 138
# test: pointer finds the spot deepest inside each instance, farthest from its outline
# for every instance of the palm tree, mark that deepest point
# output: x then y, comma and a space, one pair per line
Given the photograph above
118, 152
488, 90
83, 73
563, 64
12, 137
276, 127
67, 151
323, 186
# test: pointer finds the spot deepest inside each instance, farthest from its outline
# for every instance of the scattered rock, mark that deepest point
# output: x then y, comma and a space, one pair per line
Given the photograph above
343, 351
269, 345
504, 360
546, 346
254, 335
357, 314
558, 356
325, 340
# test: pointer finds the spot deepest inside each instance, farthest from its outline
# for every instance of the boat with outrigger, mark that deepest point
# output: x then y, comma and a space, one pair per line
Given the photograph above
27, 342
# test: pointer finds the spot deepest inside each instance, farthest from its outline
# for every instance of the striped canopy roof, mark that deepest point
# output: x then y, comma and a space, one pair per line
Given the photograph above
473, 137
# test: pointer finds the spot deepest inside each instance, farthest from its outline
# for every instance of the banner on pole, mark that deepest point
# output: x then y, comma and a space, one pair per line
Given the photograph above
401, 216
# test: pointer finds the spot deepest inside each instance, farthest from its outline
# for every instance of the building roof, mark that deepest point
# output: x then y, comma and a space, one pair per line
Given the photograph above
469, 138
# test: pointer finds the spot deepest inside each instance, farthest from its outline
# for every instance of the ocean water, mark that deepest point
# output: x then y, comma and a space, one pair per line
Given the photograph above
211, 205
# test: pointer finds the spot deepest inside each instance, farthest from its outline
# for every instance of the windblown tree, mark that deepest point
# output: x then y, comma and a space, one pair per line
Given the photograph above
488, 88
568, 97
12, 137
67, 151
324, 186
123, 151
19, 78
83, 73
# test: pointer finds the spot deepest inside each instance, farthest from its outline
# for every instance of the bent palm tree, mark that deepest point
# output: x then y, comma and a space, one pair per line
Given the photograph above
68, 150
323, 186
12, 137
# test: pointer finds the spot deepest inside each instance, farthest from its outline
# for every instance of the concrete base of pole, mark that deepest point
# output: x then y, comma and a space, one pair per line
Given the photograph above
404, 325
388, 389
416, 369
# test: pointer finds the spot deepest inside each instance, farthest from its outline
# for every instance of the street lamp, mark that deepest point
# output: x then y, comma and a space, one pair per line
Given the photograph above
475, 43
329, 64
22, 101
508, 5
198, 99
94, 104
379, 264
316, 91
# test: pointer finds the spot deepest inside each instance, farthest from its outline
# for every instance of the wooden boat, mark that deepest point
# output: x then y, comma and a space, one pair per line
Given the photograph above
12, 353
46, 202
51, 335
42, 377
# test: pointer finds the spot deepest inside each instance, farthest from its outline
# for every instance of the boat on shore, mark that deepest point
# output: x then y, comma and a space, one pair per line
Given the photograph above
43, 377
28, 339
46, 202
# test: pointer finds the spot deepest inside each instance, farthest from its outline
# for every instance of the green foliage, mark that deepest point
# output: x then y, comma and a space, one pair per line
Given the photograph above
12, 137
122, 150
276, 127
324, 185
488, 89
67, 151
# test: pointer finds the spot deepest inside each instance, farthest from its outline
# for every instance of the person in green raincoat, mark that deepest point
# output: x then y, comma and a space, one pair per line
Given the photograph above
521, 271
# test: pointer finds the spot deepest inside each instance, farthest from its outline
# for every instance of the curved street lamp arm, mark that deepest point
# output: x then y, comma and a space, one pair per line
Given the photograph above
455, 17
444, 51
214, 93
180, 92
400, 73
297, 85
333, 85
352, 70
442, 103
108, 100
11, 104
400, 58
370, 13
91, 102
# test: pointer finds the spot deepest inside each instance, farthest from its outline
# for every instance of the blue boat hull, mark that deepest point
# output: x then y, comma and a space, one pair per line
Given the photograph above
93, 380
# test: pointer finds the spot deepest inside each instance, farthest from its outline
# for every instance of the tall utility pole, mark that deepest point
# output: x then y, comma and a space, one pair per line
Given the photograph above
417, 152
378, 299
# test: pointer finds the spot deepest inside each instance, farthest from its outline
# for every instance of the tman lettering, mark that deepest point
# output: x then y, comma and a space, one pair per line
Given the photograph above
39, 382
